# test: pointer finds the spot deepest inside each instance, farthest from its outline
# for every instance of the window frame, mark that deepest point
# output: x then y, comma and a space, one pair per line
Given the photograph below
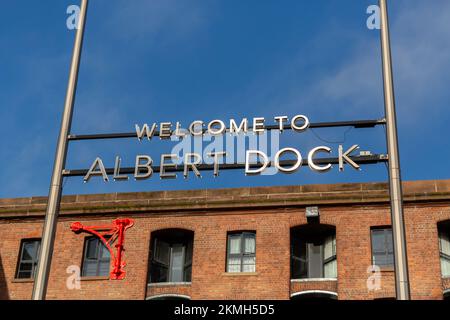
446, 295
34, 262
333, 256
187, 264
99, 259
241, 255
442, 255
307, 260
300, 260
386, 230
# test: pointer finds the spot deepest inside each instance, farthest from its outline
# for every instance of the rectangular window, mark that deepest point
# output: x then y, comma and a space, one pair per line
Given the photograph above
241, 252
313, 258
171, 260
96, 261
444, 246
28, 259
382, 247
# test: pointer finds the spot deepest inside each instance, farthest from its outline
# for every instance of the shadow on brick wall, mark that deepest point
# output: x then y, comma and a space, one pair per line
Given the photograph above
3, 284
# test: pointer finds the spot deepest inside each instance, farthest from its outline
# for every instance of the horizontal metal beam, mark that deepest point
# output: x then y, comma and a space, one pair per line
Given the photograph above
361, 160
355, 123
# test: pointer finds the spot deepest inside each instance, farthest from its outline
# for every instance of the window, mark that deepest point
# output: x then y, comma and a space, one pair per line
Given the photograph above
329, 258
28, 259
447, 296
171, 258
313, 252
444, 246
241, 252
96, 262
382, 247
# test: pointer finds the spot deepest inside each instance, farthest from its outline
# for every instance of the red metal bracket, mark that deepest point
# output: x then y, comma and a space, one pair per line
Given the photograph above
112, 232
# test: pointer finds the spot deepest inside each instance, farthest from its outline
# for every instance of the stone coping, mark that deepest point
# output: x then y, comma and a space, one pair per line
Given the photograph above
228, 199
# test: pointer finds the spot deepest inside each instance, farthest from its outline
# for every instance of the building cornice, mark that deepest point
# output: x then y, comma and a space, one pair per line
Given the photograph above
348, 194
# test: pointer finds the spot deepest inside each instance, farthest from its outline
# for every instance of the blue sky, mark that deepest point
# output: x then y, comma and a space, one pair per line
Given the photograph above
175, 60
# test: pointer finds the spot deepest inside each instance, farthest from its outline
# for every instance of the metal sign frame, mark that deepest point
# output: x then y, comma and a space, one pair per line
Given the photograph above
396, 201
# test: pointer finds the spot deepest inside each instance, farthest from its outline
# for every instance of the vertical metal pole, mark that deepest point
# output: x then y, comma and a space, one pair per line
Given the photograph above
54, 197
395, 183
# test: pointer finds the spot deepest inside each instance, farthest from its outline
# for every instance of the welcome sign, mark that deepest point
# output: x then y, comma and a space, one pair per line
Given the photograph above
256, 161
144, 168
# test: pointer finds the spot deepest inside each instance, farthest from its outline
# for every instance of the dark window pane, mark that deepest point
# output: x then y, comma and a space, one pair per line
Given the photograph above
382, 247
188, 262
96, 262
158, 273
104, 267
380, 259
299, 249
24, 275
28, 258
91, 249
189, 251
188, 273
104, 252
389, 242
299, 266
299, 269
390, 260
162, 252
378, 241
29, 251
26, 270
90, 268
26, 266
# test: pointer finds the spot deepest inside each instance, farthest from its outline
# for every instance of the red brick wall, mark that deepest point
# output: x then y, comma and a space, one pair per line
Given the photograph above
209, 280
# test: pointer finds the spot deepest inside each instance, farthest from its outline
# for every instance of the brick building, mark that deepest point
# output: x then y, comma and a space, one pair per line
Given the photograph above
247, 243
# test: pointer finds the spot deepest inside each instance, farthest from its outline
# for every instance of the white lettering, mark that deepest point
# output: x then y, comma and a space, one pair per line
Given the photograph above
314, 166
248, 169
293, 168
93, 172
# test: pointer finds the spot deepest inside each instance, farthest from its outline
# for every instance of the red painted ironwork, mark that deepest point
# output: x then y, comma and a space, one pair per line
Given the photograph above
113, 232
